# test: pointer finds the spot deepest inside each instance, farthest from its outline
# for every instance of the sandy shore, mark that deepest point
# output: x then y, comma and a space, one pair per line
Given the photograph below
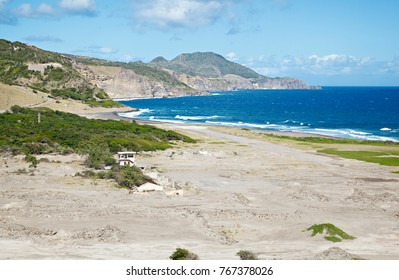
240, 193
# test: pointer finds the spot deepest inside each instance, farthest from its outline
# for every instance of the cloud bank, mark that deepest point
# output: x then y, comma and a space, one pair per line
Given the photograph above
167, 14
319, 66
45, 10
80, 7
39, 39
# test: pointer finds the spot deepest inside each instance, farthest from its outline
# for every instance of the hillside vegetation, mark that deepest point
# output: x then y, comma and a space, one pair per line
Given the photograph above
59, 131
48, 72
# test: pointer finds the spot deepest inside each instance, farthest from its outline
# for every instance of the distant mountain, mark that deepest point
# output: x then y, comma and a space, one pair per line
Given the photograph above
206, 64
207, 71
94, 80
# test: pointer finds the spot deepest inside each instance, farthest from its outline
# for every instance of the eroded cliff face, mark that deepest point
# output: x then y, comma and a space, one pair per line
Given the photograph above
124, 83
234, 82
119, 82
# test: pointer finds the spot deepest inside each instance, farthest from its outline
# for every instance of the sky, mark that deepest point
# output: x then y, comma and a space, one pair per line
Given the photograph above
328, 43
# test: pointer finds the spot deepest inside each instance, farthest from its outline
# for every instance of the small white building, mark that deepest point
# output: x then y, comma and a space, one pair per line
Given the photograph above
127, 158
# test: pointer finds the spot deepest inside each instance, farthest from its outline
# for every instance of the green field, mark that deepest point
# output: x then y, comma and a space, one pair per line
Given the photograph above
388, 157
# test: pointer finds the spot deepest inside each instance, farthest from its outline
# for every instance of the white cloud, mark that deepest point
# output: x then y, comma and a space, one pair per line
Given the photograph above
127, 57
45, 9
5, 16
165, 14
282, 4
232, 56
24, 10
65, 7
96, 50
76, 5
106, 50
79, 7
326, 65
3, 3
35, 39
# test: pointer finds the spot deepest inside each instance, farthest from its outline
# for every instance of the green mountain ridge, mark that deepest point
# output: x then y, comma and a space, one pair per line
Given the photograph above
206, 64
45, 71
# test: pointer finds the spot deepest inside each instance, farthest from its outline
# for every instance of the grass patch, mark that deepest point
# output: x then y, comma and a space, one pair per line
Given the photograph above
331, 232
332, 238
326, 140
125, 176
389, 158
217, 142
105, 103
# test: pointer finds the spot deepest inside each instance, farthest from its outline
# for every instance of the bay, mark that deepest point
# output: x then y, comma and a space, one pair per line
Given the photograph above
367, 113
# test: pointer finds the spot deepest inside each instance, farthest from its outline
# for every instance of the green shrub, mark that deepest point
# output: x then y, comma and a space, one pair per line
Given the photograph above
32, 160
98, 152
183, 254
105, 175
54, 73
332, 238
86, 174
129, 177
331, 232
246, 255
66, 133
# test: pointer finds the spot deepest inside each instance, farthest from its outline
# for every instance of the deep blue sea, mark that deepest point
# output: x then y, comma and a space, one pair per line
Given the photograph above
348, 112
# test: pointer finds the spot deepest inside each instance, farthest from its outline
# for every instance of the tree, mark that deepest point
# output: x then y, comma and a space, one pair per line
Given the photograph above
98, 152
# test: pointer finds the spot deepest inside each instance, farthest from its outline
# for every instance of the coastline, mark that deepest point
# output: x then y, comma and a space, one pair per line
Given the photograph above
242, 191
328, 112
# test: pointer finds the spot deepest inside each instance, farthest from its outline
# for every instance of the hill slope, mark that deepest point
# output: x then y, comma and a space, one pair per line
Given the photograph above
207, 71
47, 73
130, 80
95, 81
206, 64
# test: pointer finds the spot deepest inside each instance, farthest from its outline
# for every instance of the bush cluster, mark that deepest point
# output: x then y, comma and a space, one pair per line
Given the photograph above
183, 254
125, 176
65, 133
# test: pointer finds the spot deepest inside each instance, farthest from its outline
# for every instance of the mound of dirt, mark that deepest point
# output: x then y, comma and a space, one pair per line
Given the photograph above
308, 194
362, 199
102, 234
16, 231
334, 253
367, 201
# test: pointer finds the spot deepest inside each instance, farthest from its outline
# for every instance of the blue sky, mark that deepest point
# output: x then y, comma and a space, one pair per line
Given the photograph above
339, 42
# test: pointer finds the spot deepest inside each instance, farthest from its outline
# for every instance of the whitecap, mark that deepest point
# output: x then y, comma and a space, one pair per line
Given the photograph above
385, 129
167, 121
195, 118
134, 114
242, 124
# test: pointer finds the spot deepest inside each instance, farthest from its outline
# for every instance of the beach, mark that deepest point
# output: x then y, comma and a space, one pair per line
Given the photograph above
241, 191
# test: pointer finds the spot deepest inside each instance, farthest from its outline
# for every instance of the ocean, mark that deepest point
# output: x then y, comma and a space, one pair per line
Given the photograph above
366, 113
